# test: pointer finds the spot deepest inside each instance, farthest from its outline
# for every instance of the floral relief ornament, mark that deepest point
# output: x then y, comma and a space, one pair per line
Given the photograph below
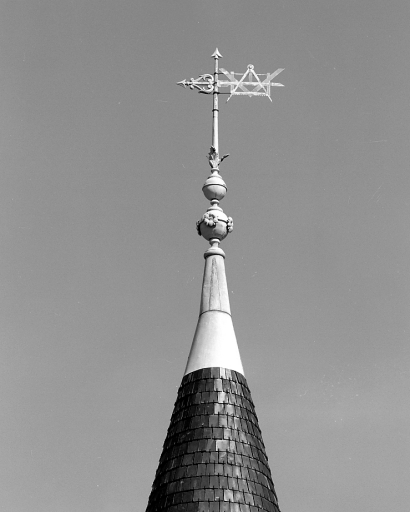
211, 219
198, 226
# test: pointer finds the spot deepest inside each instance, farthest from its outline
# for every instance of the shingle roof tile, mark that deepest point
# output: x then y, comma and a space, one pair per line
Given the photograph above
213, 458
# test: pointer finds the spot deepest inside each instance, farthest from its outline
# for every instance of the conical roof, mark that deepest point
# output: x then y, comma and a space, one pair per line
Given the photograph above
213, 459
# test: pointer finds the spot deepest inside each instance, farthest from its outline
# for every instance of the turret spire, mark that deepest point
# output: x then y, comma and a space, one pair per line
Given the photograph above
214, 458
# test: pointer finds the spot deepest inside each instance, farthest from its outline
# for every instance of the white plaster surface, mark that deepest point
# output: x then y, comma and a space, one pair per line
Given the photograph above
214, 344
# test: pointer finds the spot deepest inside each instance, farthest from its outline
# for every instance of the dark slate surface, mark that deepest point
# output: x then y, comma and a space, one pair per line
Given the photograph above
213, 459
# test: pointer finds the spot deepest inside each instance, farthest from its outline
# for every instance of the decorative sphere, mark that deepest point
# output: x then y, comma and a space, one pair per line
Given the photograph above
214, 187
213, 224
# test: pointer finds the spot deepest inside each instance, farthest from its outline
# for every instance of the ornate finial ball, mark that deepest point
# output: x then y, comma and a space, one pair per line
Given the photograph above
214, 224
214, 187
250, 66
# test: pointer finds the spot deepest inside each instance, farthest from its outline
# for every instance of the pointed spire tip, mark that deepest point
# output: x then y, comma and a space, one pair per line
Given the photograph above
216, 54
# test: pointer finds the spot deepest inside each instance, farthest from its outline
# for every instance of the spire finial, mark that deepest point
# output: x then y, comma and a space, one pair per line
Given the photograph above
214, 224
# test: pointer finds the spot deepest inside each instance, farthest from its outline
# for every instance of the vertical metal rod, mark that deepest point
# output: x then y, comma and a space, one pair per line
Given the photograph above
215, 110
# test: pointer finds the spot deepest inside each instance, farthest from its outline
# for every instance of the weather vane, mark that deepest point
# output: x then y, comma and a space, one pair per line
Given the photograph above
250, 84
214, 224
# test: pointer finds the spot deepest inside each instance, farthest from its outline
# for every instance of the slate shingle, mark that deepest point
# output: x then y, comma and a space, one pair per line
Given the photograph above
213, 458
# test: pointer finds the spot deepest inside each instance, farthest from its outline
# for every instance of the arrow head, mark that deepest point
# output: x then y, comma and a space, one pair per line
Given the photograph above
216, 54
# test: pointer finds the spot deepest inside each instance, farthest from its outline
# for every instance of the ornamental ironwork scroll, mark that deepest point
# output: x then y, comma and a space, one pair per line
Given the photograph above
247, 84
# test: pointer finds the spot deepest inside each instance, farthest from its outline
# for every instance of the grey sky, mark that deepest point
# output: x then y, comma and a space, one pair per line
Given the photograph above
103, 160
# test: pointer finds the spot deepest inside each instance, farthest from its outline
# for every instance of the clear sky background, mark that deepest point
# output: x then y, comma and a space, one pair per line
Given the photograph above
102, 162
